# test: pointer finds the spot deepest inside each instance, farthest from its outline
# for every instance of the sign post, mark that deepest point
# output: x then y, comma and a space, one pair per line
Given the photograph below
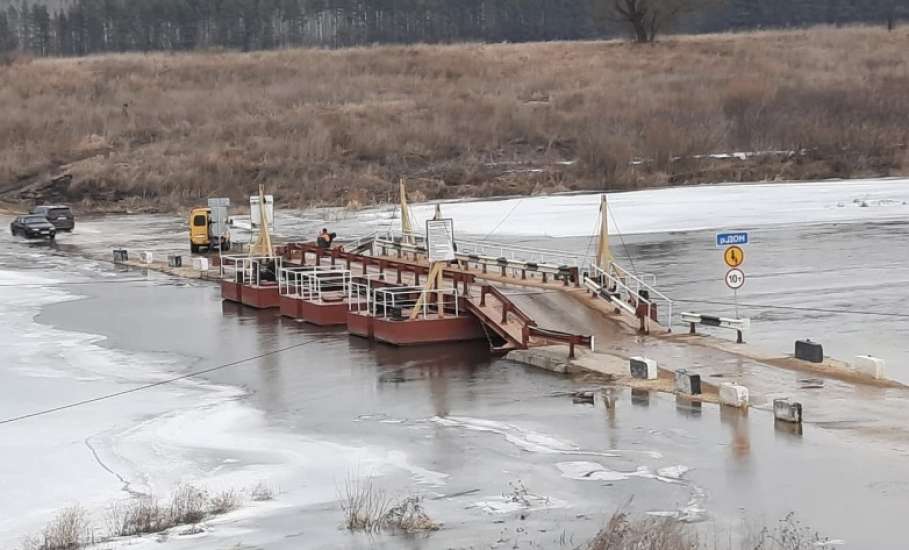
440, 240
734, 256
440, 248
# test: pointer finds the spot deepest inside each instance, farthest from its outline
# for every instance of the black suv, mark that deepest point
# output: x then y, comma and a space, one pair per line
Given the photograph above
60, 216
32, 226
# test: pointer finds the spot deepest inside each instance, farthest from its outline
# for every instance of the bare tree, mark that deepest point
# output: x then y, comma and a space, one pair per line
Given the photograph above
646, 18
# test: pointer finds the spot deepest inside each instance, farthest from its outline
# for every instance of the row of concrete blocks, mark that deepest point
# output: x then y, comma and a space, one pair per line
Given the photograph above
121, 256
732, 395
813, 352
686, 383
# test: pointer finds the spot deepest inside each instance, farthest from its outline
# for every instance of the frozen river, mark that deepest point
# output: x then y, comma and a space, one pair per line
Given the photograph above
448, 423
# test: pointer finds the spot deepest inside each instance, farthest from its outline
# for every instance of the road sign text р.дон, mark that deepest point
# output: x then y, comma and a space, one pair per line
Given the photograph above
728, 239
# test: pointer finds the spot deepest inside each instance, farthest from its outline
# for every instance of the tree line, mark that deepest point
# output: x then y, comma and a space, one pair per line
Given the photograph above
81, 27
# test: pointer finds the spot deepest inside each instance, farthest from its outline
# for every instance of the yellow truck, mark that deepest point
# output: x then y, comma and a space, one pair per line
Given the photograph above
206, 231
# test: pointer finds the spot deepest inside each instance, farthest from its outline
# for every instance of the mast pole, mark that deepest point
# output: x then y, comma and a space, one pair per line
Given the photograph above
406, 222
604, 254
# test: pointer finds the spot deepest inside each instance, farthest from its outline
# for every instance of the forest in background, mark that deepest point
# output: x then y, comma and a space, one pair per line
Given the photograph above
82, 27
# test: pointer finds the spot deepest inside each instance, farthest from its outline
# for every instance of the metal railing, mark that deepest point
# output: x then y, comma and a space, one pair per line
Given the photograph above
517, 268
253, 270
631, 294
392, 302
397, 302
311, 282
495, 250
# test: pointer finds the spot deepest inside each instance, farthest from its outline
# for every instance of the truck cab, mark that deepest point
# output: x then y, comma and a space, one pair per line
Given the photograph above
201, 232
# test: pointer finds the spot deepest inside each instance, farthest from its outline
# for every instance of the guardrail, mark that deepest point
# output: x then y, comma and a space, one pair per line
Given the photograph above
252, 269
314, 284
290, 279
516, 268
382, 264
532, 331
507, 305
738, 325
396, 302
491, 249
632, 294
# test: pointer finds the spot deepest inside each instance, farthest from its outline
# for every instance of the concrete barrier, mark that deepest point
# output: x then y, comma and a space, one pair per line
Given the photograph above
868, 365
733, 395
806, 350
688, 384
643, 368
200, 264
787, 411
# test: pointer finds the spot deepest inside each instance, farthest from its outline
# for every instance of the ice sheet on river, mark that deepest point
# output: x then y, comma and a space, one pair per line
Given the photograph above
144, 443
678, 209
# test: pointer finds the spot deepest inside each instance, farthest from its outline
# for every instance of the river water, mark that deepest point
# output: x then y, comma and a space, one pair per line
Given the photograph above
501, 456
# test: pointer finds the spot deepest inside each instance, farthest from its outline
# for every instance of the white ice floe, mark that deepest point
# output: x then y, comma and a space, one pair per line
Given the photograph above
530, 440
676, 209
593, 471
527, 440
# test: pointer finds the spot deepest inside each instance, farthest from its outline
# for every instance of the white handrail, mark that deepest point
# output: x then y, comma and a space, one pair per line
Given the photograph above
616, 280
500, 250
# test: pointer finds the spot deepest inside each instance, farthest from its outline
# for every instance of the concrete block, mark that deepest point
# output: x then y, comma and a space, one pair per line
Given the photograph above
733, 395
643, 368
870, 366
200, 264
688, 384
147, 257
174, 260
806, 350
787, 411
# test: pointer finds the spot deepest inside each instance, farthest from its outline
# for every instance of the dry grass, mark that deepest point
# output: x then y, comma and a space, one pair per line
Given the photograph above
188, 505
69, 530
364, 505
340, 126
624, 532
262, 492
369, 508
224, 502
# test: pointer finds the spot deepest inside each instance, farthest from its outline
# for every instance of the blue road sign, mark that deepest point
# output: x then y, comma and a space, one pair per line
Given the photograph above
729, 239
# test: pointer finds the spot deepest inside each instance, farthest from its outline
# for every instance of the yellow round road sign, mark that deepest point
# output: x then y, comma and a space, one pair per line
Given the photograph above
734, 256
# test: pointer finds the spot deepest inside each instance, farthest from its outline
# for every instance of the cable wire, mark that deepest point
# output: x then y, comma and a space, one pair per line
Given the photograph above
154, 384
503, 220
621, 238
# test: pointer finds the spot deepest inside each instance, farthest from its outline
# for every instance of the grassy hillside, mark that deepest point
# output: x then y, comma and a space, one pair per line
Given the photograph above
465, 120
